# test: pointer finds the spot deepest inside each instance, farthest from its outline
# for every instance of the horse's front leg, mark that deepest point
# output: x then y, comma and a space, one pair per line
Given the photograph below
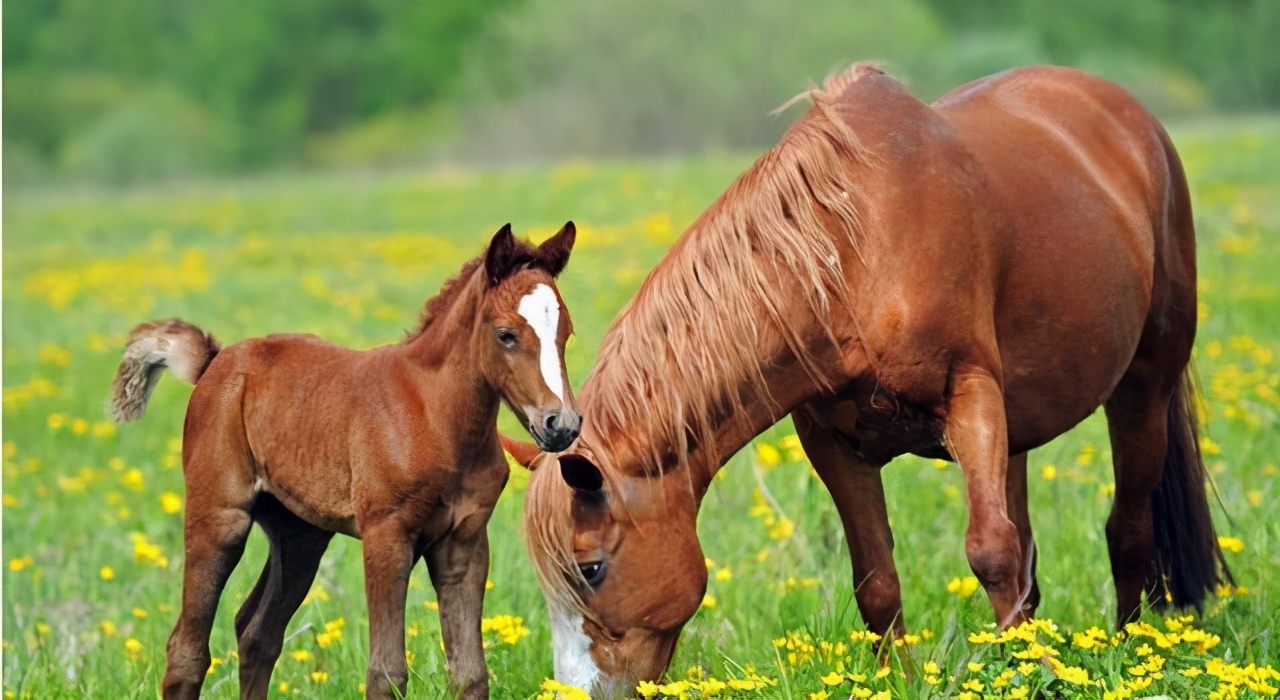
388, 559
459, 568
858, 492
976, 433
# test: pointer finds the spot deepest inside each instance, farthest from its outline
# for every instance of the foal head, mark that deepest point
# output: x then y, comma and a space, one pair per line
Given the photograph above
523, 328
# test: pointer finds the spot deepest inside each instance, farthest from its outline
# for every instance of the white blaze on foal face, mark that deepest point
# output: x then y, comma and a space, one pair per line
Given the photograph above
541, 309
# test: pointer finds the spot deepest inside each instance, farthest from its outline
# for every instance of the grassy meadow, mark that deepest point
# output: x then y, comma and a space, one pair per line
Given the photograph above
92, 513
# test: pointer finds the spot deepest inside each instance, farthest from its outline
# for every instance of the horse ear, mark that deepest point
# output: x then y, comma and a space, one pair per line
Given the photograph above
501, 256
554, 252
580, 473
525, 453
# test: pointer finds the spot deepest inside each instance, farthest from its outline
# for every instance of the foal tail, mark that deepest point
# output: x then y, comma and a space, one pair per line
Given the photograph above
1189, 562
176, 344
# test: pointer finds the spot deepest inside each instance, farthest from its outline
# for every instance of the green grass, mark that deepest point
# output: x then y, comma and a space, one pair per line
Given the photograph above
353, 258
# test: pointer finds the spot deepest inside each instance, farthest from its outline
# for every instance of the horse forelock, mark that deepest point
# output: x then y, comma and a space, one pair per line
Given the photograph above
683, 350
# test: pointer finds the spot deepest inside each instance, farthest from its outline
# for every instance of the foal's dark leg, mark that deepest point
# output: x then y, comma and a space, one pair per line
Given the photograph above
214, 541
458, 572
1016, 495
388, 559
296, 550
859, 496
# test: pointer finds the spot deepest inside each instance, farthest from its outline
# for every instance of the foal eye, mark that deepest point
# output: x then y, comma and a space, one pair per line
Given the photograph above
507, 338
593, 572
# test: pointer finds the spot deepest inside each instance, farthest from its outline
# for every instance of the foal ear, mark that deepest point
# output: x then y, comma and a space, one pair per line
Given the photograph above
580, 473
525, 453
501, 257
554, 252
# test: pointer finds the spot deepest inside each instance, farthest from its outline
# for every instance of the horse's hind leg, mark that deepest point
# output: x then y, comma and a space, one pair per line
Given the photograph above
1137, 420
296, 550
1016, 497
858, 492
216, 527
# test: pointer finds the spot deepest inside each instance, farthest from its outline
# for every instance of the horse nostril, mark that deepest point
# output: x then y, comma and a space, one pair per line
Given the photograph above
549, 421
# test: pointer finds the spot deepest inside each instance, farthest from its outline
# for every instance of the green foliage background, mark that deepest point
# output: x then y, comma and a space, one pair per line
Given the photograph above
130, 90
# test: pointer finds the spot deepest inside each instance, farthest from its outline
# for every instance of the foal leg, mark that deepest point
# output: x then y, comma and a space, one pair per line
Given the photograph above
858, 492
458, 571
388, 559
296, 550
1137, 422
976, 434
1015, 490
214, 541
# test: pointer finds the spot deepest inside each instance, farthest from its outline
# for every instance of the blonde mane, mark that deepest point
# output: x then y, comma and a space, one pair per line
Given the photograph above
681, 354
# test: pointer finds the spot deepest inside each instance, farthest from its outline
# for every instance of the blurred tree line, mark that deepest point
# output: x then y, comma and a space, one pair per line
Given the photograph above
125, 90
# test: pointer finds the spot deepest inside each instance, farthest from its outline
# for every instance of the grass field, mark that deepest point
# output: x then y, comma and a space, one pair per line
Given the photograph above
92, 513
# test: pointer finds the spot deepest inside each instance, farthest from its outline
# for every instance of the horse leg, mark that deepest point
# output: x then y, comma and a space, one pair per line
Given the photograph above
858, 492
1015, 490
296, 550
458, 571
1137, 422
976, 434
214, 540
388, 559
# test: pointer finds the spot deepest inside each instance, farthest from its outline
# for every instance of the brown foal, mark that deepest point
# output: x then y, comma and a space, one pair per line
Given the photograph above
966, 280
397, 446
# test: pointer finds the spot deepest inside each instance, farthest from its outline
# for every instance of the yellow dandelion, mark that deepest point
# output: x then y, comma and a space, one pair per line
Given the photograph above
107, 573
1234, 545
963, 587
708, 601
319, 677
832, 679
768, 455
80, 426
108, 628
1049, 472
133, 479
133, 647
104, 429
170, 503
301, 655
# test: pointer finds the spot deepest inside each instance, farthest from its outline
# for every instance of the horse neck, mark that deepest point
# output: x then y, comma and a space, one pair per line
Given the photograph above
445, 351
734, 419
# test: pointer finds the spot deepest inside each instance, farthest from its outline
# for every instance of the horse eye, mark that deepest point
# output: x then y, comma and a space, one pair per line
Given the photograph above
507, 338
593, 572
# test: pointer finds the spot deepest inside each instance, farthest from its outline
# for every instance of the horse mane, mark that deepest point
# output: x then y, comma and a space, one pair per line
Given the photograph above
684, 350
438, 305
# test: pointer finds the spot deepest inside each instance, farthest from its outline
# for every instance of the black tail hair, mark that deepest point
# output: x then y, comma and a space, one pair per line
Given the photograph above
1189, 563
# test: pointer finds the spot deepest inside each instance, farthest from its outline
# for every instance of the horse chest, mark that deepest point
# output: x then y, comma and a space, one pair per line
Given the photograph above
877, 426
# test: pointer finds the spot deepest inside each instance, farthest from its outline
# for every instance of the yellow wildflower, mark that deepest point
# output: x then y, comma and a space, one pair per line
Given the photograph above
1234, 545
832, 678
170, 503
107, 573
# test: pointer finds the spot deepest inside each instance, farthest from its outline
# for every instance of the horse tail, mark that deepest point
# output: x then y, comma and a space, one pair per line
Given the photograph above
1188, 560
152, 346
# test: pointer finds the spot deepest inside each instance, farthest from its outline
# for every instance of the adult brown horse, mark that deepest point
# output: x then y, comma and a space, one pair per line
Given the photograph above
397, 446
967, 280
